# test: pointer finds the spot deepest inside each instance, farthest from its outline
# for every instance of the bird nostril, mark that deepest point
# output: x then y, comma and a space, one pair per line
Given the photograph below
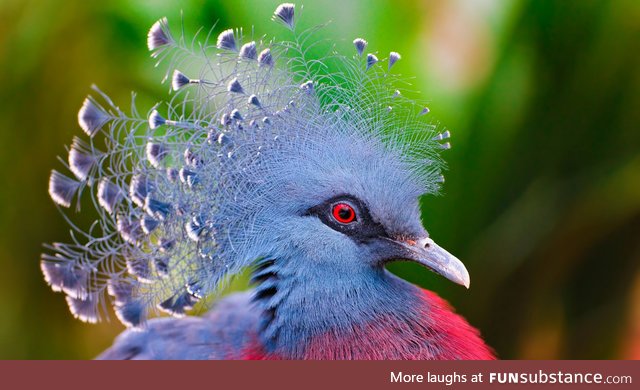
425, 243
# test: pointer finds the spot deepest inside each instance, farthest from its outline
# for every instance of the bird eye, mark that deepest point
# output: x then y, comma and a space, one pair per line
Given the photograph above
344, 213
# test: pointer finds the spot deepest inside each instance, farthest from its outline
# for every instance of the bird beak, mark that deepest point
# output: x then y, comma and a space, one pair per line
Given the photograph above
429, 254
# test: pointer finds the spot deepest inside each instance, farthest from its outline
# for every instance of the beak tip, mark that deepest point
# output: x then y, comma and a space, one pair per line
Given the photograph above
466, 280
458, 273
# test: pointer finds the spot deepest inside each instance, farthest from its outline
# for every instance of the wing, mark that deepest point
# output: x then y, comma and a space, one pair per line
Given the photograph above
223, 333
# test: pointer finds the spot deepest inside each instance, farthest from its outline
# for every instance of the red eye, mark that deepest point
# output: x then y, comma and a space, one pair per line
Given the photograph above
344, 213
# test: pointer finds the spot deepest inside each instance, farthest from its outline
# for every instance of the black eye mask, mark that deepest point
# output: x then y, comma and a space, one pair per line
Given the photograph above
362, 228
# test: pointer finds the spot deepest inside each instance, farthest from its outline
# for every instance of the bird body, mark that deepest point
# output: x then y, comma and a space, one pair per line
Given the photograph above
427, 329
267, 160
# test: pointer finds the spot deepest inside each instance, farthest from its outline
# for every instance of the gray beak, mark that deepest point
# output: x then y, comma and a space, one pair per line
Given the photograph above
431, 255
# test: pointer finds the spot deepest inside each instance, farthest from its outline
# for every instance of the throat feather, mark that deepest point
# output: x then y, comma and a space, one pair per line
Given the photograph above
297, 310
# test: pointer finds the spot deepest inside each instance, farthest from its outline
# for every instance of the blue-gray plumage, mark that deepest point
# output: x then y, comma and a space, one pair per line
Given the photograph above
219, 334
265, 161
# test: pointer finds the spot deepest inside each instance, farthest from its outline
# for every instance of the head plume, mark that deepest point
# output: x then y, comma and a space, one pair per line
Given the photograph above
187, 195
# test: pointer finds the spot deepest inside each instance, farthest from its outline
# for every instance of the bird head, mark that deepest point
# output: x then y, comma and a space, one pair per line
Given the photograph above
349, 203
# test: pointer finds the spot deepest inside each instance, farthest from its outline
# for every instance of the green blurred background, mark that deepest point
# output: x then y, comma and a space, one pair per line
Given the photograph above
542, 199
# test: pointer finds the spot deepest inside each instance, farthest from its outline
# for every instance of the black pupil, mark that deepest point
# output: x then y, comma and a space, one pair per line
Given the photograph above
345, 212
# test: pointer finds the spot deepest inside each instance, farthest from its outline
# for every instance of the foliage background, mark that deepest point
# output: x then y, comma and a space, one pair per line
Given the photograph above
542, 199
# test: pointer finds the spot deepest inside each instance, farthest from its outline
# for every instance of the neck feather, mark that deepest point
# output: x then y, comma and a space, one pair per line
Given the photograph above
362, 315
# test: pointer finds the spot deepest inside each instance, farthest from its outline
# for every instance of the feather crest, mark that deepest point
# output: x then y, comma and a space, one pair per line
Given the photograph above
183, 202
